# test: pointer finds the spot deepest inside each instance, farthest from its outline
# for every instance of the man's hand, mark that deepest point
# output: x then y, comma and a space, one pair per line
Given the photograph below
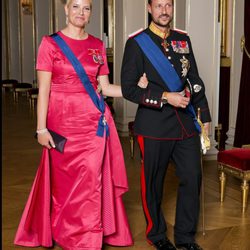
206, 126
176, 99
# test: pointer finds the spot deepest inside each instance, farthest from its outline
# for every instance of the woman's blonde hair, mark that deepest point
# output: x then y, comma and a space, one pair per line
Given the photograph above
67, 2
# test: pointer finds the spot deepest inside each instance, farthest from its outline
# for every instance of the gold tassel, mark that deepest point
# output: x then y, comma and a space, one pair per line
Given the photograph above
205, 141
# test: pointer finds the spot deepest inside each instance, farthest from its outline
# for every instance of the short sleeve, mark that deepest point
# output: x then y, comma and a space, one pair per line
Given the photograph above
45, 55
104, 69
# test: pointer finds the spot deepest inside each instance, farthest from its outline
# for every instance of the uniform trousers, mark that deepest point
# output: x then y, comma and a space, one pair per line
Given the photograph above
186, 156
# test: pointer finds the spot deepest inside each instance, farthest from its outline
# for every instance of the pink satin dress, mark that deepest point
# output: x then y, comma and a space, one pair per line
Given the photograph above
76, 197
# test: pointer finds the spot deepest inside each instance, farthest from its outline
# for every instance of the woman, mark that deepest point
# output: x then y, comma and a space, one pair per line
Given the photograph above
76, 198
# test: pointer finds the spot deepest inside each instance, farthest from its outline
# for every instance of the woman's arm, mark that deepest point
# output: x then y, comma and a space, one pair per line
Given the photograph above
115, 90
43, 136
109, 89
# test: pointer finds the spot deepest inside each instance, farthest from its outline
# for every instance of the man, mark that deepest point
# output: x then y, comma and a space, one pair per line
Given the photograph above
165, 123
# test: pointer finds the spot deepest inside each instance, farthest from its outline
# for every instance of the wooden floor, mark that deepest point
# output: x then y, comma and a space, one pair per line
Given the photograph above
225, 227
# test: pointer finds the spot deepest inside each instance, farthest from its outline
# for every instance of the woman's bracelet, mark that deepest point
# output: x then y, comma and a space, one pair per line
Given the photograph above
42, 131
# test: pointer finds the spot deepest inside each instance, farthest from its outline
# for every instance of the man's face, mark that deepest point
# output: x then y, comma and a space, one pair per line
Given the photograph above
161, 12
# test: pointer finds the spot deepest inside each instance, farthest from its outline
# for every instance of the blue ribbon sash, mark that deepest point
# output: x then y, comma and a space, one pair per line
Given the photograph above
99, 102
164, 69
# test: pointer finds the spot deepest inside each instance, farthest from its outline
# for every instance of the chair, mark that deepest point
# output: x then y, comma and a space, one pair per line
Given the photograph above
21, 88
131, 138
9, 84
33, 94
235, 162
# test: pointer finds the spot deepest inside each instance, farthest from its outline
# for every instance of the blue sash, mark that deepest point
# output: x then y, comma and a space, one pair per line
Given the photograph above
164, 68
99, 102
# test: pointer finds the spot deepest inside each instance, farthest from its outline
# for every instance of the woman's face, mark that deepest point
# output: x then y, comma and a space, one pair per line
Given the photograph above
78, 12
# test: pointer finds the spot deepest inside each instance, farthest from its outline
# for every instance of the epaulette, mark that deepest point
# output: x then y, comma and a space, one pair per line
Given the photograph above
135, 33
181, 31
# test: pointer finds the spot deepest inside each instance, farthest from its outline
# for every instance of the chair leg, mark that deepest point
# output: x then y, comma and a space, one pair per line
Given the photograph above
30, 101
33, 104
132, 145
15, 96
245, 189
222, 185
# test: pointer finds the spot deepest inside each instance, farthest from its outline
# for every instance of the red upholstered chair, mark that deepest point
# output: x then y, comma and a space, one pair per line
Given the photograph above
235, 162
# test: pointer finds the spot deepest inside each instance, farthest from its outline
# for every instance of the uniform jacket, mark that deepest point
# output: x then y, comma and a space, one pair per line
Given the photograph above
153, 119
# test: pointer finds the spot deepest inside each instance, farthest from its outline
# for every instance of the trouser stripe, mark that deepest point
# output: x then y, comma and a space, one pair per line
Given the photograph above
143, 190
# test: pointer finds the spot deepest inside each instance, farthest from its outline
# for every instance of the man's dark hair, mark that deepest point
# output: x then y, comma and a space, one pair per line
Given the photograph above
150, 1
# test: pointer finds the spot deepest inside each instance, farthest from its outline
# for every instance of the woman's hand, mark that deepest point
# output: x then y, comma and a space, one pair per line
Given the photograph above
143, 81
114, 90
45, 139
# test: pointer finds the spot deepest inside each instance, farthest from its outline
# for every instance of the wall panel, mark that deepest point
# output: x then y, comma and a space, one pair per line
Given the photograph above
14, 40
27, 46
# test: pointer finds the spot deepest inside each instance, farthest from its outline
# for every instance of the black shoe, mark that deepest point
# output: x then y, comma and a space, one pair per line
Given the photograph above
164, 244
189, 246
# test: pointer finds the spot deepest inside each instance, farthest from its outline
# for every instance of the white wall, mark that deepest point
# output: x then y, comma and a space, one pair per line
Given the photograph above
235, 74
179, 21
60, 18
126, 12
4, 48
95, 27
205, 37
42, 16
28, 57
14, 45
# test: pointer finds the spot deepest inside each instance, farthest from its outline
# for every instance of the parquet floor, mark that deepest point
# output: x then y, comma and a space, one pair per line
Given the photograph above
225, 227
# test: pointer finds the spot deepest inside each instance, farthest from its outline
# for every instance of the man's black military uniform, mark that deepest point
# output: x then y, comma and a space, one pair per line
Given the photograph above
165, 132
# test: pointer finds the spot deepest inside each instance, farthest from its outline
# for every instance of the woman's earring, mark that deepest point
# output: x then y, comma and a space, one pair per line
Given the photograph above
67, 20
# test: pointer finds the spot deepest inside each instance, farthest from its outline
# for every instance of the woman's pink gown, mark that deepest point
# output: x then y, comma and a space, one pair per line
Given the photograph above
76, 197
